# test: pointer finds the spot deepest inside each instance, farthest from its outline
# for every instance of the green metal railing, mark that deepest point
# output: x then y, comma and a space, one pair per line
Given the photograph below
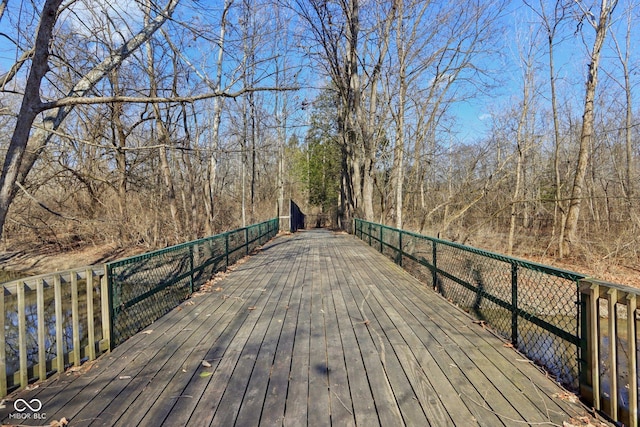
581, 330
533, 305
145, 287
62, 319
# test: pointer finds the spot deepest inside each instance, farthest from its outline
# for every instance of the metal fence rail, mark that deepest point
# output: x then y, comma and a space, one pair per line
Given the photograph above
545, 312
54, 321
143, 288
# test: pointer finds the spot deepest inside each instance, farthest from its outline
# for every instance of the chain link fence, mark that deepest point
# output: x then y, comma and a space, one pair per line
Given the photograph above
534, 306
143, 288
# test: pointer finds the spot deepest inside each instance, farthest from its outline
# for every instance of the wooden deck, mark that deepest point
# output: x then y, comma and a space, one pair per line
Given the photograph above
316, 329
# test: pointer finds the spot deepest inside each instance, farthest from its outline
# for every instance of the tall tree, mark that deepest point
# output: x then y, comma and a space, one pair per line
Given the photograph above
601, 26
352, 58
25, 146
551, 21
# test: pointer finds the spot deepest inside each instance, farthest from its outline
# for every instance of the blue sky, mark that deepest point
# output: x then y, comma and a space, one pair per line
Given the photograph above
474, 117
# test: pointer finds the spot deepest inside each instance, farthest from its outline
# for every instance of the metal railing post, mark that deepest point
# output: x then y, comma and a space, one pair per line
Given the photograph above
246, 240
107, 318
381, 240
191, 265
226, 251
514, 304
434, 258
400, 251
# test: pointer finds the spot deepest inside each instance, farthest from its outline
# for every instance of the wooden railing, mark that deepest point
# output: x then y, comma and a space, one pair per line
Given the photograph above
50, 322
55, 321
610, 339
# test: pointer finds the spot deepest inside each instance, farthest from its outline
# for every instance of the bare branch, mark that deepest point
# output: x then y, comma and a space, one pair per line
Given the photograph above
79, 100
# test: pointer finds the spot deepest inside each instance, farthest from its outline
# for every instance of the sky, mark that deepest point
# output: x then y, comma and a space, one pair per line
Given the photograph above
474, 118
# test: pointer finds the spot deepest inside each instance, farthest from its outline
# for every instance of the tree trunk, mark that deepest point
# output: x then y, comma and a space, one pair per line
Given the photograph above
586, 135
217, 117
28, 109
25, 148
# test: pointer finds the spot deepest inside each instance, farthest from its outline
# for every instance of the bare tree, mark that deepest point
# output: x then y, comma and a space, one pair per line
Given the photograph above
551, 22
25, 147
601, 26
527, 60
624, 56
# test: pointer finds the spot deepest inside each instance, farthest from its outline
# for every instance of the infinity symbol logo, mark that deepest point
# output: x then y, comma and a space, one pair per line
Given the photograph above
22, 405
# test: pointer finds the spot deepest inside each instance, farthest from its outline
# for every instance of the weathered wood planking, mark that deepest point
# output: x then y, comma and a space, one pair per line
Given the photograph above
316, 329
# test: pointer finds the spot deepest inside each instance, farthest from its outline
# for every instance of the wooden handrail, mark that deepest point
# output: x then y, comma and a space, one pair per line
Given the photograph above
614, 304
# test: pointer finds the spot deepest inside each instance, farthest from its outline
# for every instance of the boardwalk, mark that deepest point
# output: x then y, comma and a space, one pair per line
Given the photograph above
317, 329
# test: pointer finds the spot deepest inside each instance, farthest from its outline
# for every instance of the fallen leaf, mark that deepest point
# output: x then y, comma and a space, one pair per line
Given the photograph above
124, 377
481, 323
189, 303
206, 364
148, 331
569, 397
205, 374
508, 345
62, 422
251, 308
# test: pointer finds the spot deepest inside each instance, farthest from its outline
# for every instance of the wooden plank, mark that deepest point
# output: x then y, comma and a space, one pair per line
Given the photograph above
3, 345
297, 406
505, 359
175, 367
334, 324
631, 303
273, 410
432, 387
57, 290
65, 388
373, 356
22, 335
112, 370
208, 392
515, 388
215, 348
128, 412
238, 387
75, 319
318, 413
253, 404
340, 398
104, 306
91, 334
405, 379
42, 350
364, 406
417, 387
111, 390
612, 298
457, 366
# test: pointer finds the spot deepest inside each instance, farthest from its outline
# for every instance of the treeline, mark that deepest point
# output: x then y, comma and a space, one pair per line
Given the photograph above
157, 123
